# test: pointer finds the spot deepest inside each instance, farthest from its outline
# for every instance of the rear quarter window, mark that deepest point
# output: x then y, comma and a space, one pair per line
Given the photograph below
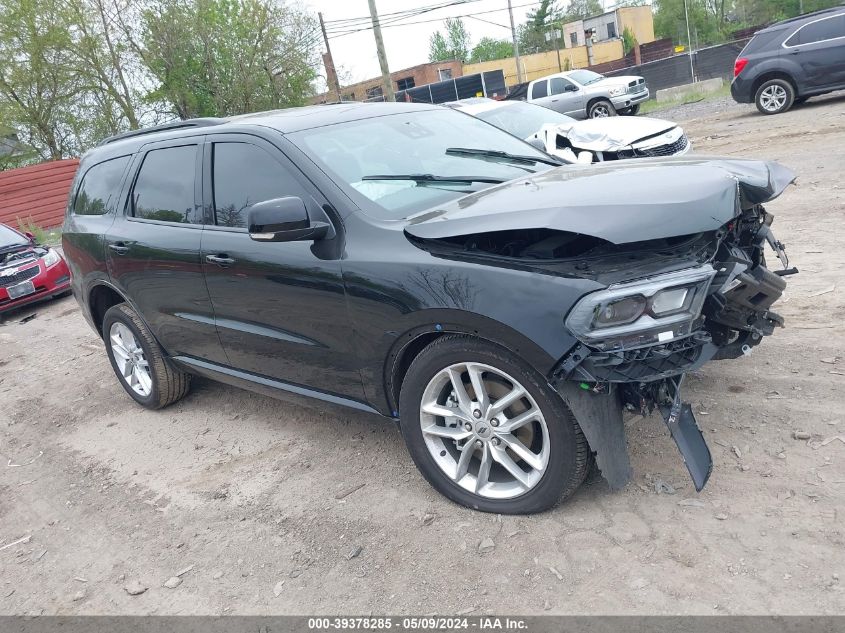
100, 186
540, 89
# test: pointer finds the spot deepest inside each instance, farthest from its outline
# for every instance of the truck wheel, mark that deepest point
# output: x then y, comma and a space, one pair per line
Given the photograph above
601, 109
487, 431
138, 362
632, 111
774, 96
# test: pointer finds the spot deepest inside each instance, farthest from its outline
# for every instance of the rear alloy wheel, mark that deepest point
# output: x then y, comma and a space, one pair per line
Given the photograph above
486, 431
601, 109
138, 362
774, 96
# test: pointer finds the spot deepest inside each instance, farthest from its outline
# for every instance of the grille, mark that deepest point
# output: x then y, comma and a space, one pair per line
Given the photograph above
647, 363
635, 88
666, 150
21, 275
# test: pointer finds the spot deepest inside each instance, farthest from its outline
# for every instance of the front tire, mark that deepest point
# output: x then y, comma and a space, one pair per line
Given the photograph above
774, 96
487, 431
601, 109
138, 360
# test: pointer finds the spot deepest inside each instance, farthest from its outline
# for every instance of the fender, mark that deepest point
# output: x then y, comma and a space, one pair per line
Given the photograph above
407, 344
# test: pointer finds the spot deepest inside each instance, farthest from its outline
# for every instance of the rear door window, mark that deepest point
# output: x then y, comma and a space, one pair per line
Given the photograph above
244, 174
165, 187
540, 89
99, 188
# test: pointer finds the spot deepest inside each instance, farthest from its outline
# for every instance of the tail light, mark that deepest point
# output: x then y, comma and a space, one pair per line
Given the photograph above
739, 64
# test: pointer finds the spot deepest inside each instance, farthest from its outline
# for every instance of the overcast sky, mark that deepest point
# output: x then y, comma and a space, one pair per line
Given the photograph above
408, 45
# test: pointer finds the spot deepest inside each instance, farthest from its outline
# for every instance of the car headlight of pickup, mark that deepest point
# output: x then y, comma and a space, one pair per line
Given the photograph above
652, 310
51, 258
617, 91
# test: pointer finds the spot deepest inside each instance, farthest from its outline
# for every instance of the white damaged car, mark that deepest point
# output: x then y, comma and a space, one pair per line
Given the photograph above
589, 141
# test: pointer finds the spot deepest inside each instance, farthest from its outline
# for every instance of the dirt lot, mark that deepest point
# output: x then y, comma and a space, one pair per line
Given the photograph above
244, 492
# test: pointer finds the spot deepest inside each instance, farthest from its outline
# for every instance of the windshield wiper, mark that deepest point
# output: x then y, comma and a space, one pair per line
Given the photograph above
502, 157
423, 179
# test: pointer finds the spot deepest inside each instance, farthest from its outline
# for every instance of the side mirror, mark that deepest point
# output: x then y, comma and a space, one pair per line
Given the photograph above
570, 88
283, 220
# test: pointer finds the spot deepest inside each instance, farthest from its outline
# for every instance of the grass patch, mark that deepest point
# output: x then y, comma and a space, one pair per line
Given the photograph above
653, 105
46, 237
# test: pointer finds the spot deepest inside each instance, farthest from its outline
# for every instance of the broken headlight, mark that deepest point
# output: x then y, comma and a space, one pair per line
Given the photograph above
652, 310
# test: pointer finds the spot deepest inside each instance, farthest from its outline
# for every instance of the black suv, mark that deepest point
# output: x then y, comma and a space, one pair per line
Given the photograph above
791, 61
414, 262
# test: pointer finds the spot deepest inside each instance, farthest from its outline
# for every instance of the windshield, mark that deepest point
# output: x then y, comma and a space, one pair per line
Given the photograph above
585, 77
412, 144
523, 119
10, 238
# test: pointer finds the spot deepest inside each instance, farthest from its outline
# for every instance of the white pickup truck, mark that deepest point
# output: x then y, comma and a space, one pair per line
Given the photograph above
583, 94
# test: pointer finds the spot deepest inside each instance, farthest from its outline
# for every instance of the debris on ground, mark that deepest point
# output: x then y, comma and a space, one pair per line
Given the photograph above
20, 541
173, 582
355, 552
556, 573
721, 516
428, 518
79, 595
801, 435
134, 588
277, 589
345, 493
662, 487
486, 545
695, 503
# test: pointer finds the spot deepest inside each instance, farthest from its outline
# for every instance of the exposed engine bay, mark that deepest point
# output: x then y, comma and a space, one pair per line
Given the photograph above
27, 253
669, 304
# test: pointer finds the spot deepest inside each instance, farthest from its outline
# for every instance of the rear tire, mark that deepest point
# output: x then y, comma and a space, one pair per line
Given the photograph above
632, 111
774, 96
601, 109
557, 457
138, 361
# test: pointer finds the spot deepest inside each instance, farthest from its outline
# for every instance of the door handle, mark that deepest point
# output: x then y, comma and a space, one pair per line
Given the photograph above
221, 260
119, 247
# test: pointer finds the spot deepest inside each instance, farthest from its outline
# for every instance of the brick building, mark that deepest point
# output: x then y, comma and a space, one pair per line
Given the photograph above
419, 75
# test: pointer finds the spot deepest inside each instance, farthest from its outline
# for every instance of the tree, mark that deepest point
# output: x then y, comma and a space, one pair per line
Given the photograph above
453, 45
580, 9
224, 57
532, 33
489, 49
628, 41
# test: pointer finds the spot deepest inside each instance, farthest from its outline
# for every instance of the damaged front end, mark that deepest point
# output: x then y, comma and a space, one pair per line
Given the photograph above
639, 338
679, 249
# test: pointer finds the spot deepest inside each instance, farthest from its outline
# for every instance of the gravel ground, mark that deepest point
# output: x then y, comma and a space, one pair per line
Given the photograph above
256, 506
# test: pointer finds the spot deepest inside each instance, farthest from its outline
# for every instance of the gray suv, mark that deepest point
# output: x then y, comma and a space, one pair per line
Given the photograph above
791, 61
584, 94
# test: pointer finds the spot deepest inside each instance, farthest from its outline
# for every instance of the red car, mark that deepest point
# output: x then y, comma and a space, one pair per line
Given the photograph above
28, 272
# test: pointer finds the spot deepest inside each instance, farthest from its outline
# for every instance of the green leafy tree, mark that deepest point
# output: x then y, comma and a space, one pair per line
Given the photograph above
39, 89
489, 49
628, 40
224, 57
455, 44
580, 9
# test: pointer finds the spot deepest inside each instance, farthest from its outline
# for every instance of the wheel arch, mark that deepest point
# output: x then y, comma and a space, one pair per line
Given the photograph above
101, 297
769, 75
410, 343
591, 102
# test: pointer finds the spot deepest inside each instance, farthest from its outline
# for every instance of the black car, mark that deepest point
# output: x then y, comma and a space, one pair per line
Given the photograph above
414, 262
791, 61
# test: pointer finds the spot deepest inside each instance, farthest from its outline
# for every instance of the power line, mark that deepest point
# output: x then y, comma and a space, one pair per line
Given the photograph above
342, 33
366, 18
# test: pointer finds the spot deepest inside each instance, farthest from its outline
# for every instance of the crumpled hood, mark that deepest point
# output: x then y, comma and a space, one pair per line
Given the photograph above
611, 133
619, 201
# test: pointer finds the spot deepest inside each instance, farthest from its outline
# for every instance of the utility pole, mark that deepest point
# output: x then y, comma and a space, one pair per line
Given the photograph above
328, 61
382, 56
689, 43
519, 75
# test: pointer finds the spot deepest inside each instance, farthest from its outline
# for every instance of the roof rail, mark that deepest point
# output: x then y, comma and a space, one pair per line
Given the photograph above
174, 125
811, 14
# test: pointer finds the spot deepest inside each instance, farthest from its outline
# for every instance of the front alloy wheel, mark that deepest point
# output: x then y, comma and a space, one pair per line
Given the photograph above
486, 429
601, 109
